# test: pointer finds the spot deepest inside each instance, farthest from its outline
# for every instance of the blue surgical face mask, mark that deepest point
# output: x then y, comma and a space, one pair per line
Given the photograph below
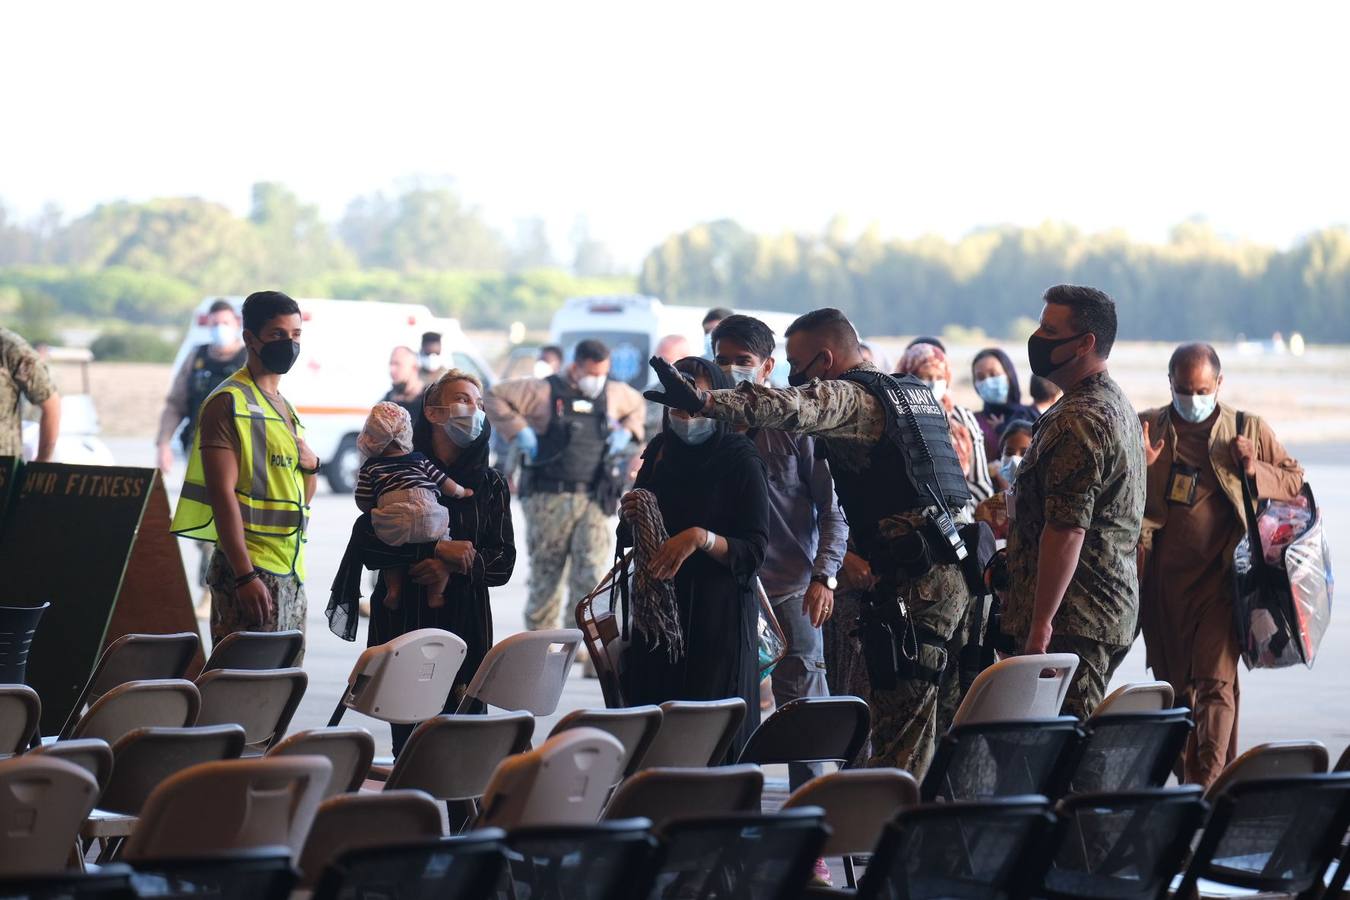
740, 374
993, 389
1194, 407
464, 429
1008, 468
692, 431
223, 335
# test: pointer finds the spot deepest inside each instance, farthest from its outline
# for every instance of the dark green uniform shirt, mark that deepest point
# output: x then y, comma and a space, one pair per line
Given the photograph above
1085, 468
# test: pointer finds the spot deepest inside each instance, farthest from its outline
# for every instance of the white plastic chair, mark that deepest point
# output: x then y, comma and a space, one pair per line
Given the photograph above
1277, 759
565, 781
1022, 687
43, 801
406, 680
525, 671
857, 803
236, 804
1141, 696
694, 733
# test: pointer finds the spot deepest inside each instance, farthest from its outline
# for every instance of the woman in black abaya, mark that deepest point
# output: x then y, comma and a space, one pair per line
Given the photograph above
710, 487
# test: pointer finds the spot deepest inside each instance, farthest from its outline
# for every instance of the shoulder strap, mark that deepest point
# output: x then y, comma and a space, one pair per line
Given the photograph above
1249, 505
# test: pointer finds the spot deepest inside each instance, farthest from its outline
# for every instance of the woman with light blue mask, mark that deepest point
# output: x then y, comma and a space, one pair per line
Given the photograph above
453, 431
710, 486
995, 380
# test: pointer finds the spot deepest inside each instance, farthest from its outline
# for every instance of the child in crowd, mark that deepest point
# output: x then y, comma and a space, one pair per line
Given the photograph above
1013, 442
400, 488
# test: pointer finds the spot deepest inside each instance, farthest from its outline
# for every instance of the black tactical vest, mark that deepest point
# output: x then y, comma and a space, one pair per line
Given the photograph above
914, 455
572, 449
204, 376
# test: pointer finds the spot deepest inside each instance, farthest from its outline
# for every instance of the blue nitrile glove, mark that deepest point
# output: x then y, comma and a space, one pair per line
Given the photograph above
527, 442
619, 439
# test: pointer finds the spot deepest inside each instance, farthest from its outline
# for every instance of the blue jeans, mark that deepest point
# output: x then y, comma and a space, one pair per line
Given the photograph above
801, 673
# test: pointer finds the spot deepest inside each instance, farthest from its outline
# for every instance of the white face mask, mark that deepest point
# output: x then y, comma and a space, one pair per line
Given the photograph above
542, 369
692, 431
939, 388
223, 335
739, 374
431, 362
591, 385
464, 429
1194, 407
1008, 468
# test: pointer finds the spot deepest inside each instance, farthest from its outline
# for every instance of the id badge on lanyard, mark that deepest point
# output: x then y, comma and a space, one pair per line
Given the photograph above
1181, 484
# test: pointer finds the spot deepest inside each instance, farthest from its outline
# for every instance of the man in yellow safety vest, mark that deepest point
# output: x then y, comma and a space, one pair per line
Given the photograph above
250, 479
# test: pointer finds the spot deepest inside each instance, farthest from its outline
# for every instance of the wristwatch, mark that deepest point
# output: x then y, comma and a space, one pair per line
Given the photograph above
828, 581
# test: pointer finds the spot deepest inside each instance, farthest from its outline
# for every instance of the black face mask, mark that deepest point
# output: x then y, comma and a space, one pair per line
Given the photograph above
278, 356
1039, 350
799, 378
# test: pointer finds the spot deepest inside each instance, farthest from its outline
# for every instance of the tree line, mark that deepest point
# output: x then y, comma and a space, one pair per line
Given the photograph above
144, 265
1196, 285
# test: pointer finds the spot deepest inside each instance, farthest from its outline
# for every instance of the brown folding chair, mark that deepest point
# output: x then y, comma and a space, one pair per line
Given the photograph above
663, 795
262, 701
256, 650
20, 713
360, 821
635, 727
163, 703
135, 657
694, 733
350, 750
42, 803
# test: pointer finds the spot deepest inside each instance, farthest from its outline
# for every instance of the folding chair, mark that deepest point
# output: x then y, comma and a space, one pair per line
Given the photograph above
359, 821
525, 671
253, 803
810, 730
1272, 834
1277, 759
263, 873
604, 644
406, 680
466, 867
734, 857
857, 806
20, 713
141, 761
91, 754
1003, 759
1129, 751
256, 650
350, 750
42, 803
608, 861
1123, 846
695, 733
1139, 696
18, 624
973, 850
635, 727
261, 701
135, 657
165, 703
453, 757
564, 781
1020, 687
664, 795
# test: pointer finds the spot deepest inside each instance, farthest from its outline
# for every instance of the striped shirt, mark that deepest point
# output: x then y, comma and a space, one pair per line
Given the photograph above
382, 474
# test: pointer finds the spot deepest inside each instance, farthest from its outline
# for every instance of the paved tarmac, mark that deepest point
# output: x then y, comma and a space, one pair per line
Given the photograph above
1275, 705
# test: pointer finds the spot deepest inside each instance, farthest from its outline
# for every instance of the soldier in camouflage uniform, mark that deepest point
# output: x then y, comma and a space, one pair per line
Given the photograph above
851, 423
287, 612
1078, 503
24, 376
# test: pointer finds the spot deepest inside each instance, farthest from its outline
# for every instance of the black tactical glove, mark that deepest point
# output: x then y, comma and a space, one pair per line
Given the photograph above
678, 393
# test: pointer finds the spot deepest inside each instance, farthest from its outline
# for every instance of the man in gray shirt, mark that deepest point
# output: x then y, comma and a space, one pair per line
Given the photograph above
807, 532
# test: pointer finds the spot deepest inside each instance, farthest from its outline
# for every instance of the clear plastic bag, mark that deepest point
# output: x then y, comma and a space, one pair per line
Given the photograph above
1282, 599
772, 641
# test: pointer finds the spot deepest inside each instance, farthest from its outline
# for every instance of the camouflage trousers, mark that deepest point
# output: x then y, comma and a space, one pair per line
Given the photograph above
905, 720
228, 616
1097, 662
569, 538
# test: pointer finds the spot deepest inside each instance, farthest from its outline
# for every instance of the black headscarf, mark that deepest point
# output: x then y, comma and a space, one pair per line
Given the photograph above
472, 465
681, 460
1014, 386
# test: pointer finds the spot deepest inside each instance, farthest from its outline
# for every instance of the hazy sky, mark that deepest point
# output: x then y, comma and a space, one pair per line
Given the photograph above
649, 117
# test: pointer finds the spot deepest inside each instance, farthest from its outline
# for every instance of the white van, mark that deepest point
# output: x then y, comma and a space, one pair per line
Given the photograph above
343, 368
632, 325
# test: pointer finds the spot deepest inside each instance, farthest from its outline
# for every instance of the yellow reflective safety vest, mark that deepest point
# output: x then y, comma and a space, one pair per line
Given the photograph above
270, 489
